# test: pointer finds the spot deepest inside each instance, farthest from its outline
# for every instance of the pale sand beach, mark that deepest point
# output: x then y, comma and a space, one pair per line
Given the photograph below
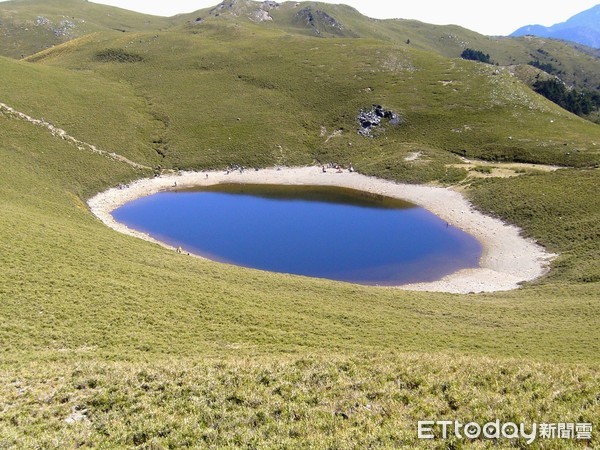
508, 259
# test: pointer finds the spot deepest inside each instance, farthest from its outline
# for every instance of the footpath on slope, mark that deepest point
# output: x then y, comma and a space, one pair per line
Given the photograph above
59, 132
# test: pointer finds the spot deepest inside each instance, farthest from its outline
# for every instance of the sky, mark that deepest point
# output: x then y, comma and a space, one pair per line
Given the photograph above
487, 17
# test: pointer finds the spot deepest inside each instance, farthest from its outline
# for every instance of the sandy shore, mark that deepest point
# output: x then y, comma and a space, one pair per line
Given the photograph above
508, 259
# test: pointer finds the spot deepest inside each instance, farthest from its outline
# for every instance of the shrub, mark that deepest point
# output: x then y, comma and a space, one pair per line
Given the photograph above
483, 169
118, 55
546, 67
475, 55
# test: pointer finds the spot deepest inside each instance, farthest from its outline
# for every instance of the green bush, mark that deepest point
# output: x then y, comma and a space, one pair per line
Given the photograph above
475, 55
483, 169
118, 55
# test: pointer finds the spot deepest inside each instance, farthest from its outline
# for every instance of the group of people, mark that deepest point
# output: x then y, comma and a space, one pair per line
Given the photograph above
234, 168
337, 167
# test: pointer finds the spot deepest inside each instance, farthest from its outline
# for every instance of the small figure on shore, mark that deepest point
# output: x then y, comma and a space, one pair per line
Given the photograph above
179, 249
175, 184
324, 169
206, 175
350, 168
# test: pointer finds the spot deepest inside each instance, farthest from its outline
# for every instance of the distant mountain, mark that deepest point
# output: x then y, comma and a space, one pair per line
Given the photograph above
583, 28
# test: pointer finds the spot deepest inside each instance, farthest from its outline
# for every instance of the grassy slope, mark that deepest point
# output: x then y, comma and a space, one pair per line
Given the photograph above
198, 83
568, 227
369, 400
578, 68
84, 104
283, 356
162, 349
63, 268
21, 37
22, 34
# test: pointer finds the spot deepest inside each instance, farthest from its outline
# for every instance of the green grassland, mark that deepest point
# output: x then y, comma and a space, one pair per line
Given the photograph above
29, 26
578, 66
23, 35
201, 88
148, 348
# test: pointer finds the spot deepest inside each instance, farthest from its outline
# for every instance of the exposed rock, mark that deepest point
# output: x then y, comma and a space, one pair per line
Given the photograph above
227, 5
318, 20
41, 20
261, 16
64, 28
77, 416
414, 156
371, 119
268, 5
257, 12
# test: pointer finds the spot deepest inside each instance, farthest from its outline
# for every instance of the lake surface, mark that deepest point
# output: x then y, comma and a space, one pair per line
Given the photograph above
324, 232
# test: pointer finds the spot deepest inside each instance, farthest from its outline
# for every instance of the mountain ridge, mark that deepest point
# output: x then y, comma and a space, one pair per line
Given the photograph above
21, 37
582, 28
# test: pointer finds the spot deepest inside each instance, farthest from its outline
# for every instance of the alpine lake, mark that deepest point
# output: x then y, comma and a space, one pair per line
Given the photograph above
316, 231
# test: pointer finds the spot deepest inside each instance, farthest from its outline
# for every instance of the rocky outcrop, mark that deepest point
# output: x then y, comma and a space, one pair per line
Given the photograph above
228, 5
371, 119
261, 16
268, 5
319, 21
239, 8
63, 29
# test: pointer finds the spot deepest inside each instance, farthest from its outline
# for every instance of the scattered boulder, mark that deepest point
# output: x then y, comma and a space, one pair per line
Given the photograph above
64, 28
77, 416
41, 21
370, 119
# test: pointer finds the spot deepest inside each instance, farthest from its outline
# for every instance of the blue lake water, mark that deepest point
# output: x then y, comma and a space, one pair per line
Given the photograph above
323, 232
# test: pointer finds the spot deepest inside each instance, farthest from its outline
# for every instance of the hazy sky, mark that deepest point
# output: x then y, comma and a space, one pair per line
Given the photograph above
487, 17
